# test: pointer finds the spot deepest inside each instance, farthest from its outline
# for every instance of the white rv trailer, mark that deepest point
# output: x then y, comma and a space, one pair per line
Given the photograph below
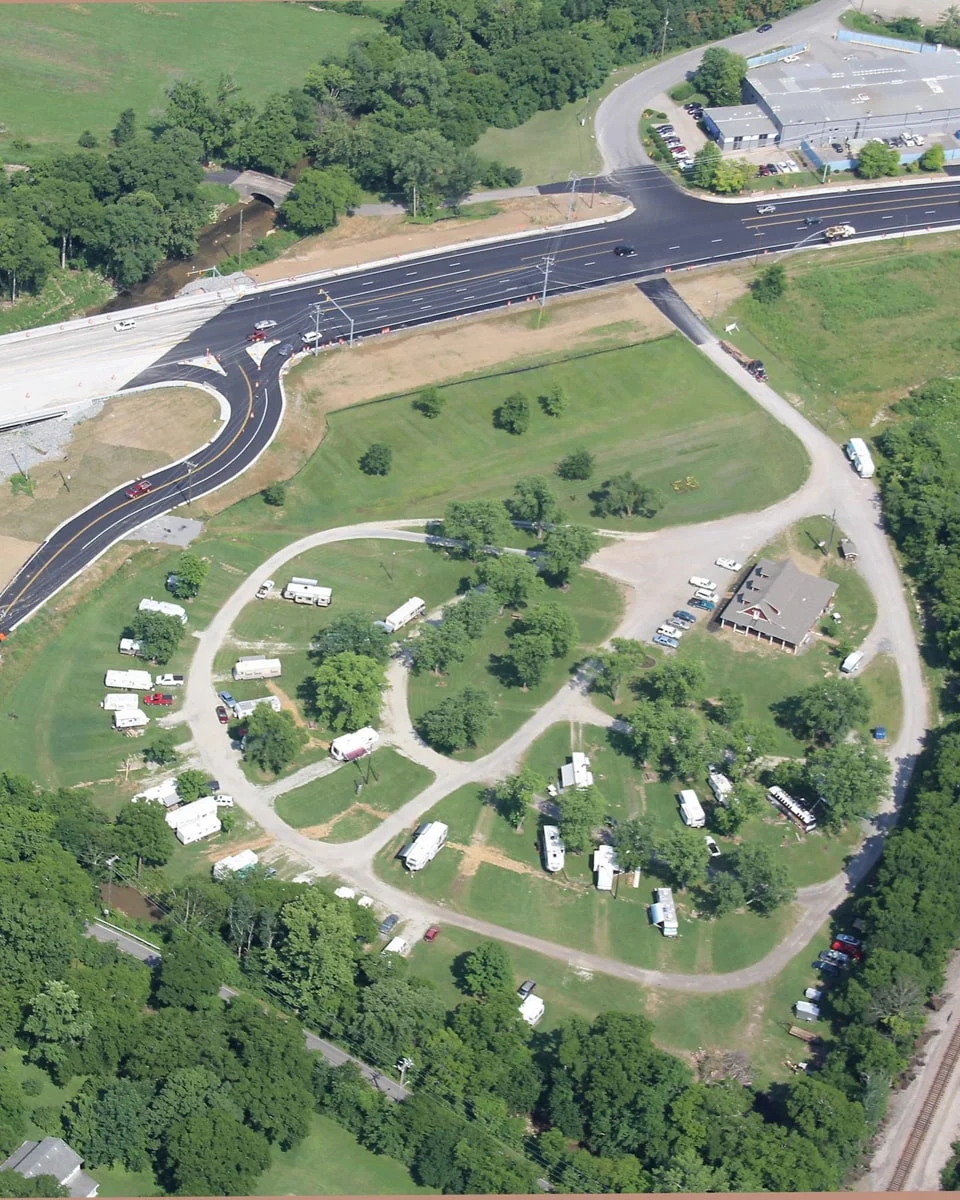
554, 851
426, 845
691, 810
164, 607
130, 718
235, 864
243, 708
114, 701
307, 591
255, 666
133, 681
413, 608
350, 746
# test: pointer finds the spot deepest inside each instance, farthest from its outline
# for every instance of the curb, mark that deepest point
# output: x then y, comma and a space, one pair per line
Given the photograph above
847, 189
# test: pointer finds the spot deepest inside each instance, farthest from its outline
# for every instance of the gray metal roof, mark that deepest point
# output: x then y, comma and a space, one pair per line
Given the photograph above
837, 81
779, 600
742, 121
52, 1156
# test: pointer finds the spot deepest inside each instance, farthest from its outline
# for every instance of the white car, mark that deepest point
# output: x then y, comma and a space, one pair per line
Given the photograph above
126, 323
265, 325
224, 801
729, 564
706, 594
712, 848
766, 208
265, 589
670, 631
698, 581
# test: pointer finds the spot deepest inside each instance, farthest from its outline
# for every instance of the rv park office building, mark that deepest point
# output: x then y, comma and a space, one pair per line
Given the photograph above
834, 90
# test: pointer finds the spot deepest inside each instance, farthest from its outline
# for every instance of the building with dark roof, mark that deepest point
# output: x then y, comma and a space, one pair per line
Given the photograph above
53, 1157
778, 603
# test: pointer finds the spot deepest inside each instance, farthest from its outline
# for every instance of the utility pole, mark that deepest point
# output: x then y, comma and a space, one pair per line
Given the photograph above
342, 311
545, 264
191, 467
663, 40
833, 528
19, 468
403, 1066
316, 328
240, 255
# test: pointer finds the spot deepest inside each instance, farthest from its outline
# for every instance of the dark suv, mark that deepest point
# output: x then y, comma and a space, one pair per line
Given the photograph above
624, 251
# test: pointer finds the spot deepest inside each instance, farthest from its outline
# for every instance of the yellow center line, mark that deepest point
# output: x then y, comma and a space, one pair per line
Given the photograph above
127, 503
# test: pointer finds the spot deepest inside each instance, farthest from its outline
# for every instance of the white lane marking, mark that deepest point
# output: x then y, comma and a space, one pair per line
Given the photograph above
928, 211
591, 263
716, 240
888, 218
409, 273
377, 309
673, 247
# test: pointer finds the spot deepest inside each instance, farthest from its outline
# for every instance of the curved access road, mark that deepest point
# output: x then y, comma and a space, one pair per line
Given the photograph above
655, 566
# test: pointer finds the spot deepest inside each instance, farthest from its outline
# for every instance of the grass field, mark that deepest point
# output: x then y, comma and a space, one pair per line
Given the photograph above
892, 304
65, 294
330, 1162
595, 603
67, 68
325, 802
657, 408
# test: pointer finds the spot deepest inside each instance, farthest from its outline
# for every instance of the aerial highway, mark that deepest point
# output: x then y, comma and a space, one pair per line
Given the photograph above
668, 230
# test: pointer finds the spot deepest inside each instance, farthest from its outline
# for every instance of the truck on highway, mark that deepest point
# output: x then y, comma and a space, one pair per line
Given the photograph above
132, 681
255, 666
838, 233
307, 591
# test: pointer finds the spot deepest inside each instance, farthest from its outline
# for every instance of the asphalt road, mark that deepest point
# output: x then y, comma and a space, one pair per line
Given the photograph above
668, 230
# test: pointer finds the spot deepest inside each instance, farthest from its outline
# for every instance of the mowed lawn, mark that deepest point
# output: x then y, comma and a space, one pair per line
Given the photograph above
388, 781
66, 68
857, 329
657, 408
596, 604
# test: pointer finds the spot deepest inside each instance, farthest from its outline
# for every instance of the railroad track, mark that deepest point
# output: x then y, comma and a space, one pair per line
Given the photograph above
927, 1112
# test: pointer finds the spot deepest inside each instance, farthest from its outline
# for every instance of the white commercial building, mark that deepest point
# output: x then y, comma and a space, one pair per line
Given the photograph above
235, 864
255, 666
663, 911
350, 746
407, 612
164, 608
554, 851
425, 846
576, 773
691, 810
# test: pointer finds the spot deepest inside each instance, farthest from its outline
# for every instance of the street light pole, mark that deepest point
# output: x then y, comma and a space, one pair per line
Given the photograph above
316, 328
545, 264
340, 310
191, 467
574, 179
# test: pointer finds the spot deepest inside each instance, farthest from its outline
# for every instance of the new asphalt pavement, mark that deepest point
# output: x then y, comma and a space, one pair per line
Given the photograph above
669, 230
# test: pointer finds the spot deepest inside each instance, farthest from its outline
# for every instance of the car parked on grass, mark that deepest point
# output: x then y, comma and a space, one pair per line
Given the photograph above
762, 209
388, 925
825, 967
701, 581
836, 956
685, 617
850, 940
140, 488
265, 325
222, 715
227, 699
265, 589
431, 934
846, 948
159, 698
699, 602
729, 564
661, 639
525, 988
712, 848
170, 680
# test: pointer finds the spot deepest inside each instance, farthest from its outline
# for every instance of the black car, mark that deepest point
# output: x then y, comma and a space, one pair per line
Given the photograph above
525, 988
813, 220
825, 967
624, 251
764, 28
836, 147
389, 924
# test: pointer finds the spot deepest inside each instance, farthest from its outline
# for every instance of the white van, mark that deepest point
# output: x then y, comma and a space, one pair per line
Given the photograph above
851, 662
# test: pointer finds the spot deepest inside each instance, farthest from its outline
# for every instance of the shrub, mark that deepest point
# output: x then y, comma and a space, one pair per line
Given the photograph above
377, 459
275, 494
87, 140
577, 465
683, 91
430, 402
513, 414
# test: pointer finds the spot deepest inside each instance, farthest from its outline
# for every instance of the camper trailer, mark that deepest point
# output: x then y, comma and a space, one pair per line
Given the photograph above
235, 864
307, 591
350, 746
132, 681
554, 851
256, 667
426, 845
413, 608
691, 810
663, 911
164, 608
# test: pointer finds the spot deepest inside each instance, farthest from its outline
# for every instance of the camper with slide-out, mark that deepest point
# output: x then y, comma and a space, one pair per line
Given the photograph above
116, 701
425, 846
348, 747
255, 666
307, 591
130, 718
132, 681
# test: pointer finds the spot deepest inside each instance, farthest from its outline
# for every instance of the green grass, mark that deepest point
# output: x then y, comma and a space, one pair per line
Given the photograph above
67, 68
197, 859
330, 1162
658, 408
118, 1181
893, 303
596, 604
13, 1063
65, 294
218, 193
398, 780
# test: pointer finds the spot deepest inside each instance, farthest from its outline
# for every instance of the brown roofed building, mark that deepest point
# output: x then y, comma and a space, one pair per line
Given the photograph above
778, 603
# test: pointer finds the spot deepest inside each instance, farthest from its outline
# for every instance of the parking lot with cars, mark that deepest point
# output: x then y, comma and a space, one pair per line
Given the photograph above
705, 598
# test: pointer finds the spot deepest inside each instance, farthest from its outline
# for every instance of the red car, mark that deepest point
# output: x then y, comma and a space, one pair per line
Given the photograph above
222, 715
847, 948
158, 698
257, 336
431, 934
140, 488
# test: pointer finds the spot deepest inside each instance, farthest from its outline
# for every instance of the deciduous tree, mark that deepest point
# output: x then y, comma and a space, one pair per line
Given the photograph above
565, 548
274, 739
348, 690
580, 813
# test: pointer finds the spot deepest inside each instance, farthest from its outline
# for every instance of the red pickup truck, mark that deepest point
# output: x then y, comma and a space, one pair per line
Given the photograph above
158, 698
